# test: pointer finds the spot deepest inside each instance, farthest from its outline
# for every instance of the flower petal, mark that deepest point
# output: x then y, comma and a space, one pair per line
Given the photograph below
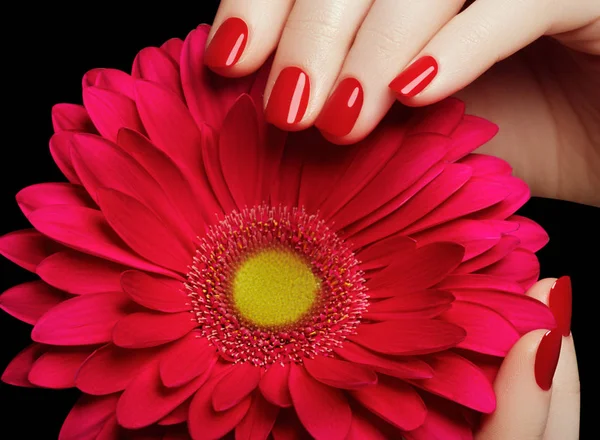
27, 248
173, 48
443, 117
484, 165
188, 358
154, 240
288, 427
57, 369
519, 193
259, 420
382, 253
156, 65
479, 282
409, 336
505, 246
88, 417
146, 401
110, 111
17, 371
113, 80
274, 385
487, 331
236, 385
338, 373
420, 304
521, 266
531, 235
47, 194
470, 134
86, 230
71, 117
29, 301
443, 422
361, 429
178, 415
80, 274
149, 329
394, 401
83, 320
401, 367
157, 293
312, 400
60, 149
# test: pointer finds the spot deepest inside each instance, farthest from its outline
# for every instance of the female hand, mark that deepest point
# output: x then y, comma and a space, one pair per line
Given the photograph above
340, 64
536, 399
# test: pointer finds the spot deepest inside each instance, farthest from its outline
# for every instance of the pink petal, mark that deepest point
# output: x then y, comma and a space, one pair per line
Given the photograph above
60, 149
86, 230
442, 423
460, 381
177, 433
71, 117
178, 415
110, 111
478, 282
157, 293
48, 194
476, 237
109, 79
235, 386
240, 128
149, 329
88, 417
519, 193
29, 301
531, 235
154, 241
17, 371
110, 369
169, 124
338, 373
146, 401
417, 270
313, 400
206, 423
27, 248
484, 165
259, 420
470, 134
395, 402
111, 429
83, 320
505, 246
274, 385
401, 367
442, 117
186, 359
409, 336
57, 369
288, 427
521, 266
382, 253
156, 65
420, 304
362, 429
286, 187
487, 331
173, 48
171, 179
208, 95
80, 274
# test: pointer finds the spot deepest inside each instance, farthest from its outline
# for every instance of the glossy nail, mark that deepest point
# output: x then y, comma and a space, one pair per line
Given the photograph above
415, 77
560, 302
342, 108
289, 98
228, 43
546, 359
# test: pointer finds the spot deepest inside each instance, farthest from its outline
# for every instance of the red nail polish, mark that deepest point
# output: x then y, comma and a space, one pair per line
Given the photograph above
546, 359
289, 98
228, 43
415, 77
560, 302
342, 108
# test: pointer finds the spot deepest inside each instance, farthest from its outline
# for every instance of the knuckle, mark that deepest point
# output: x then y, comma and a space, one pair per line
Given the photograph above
319, 27
386, 39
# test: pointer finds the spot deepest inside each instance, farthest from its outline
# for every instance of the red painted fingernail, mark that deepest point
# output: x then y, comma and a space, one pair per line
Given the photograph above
560, 302
415, 77
228, 43
546, 359
289, 98
342, 108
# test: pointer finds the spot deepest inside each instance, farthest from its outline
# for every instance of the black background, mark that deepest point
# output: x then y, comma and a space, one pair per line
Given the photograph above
44, 58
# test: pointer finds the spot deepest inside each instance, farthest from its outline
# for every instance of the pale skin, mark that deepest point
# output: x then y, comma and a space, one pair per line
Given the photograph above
530, 66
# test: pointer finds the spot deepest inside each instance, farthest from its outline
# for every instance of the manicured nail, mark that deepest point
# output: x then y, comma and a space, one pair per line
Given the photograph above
342, 108
546, 359
289, 98
228, 43
415, 77
560, 302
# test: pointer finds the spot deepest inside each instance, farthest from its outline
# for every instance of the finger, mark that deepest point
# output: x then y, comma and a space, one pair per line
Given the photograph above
486, 32
393, 32
244, 34
314, 43
523, 385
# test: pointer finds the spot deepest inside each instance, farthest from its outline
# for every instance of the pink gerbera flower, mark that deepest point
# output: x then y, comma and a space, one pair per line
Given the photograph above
204, 274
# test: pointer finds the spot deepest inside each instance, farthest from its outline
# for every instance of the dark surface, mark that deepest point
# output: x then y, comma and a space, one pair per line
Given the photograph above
46, 68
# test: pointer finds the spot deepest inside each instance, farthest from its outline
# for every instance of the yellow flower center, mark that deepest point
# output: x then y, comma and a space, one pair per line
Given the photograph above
275, 287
